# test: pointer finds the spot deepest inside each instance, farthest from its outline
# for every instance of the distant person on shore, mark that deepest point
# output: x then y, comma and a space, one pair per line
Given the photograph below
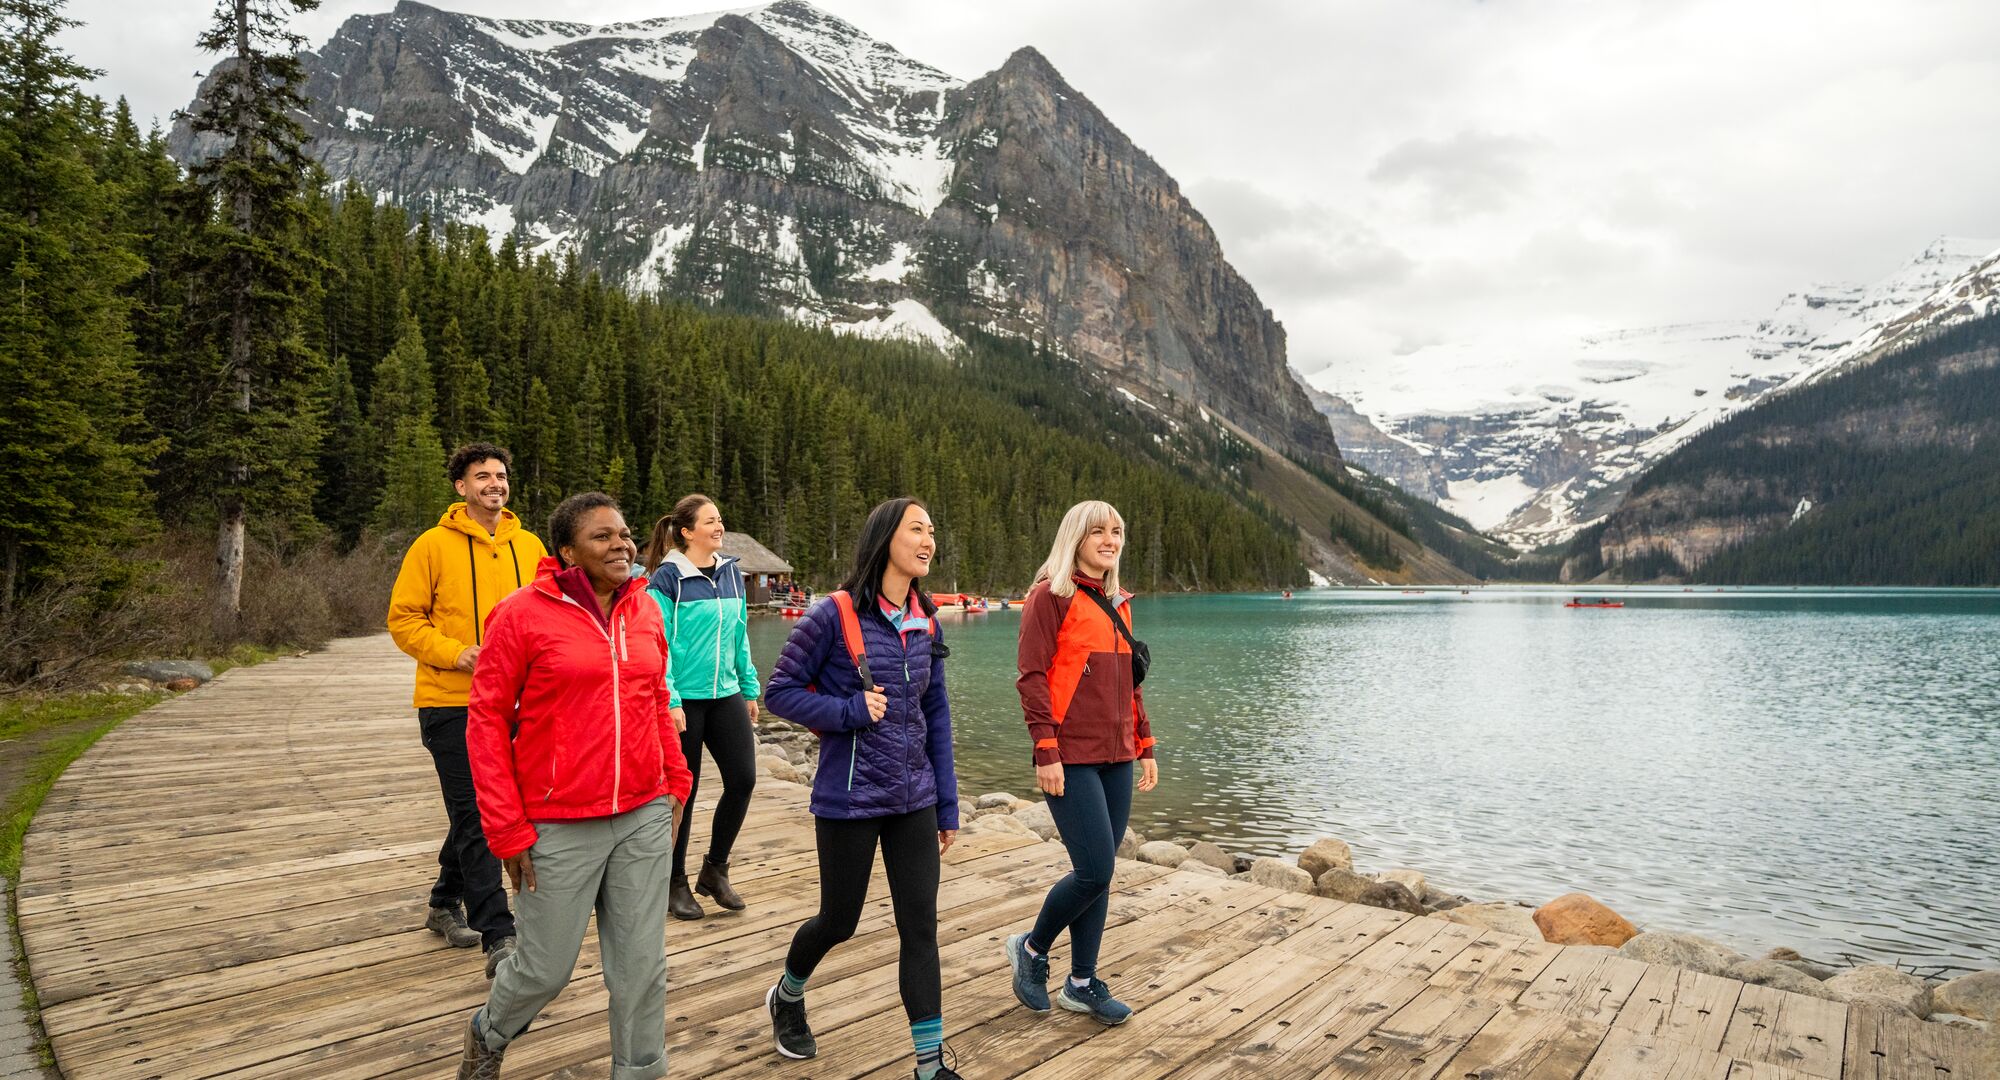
704, 603
1080, 670
580, 781
864, 668
451, 579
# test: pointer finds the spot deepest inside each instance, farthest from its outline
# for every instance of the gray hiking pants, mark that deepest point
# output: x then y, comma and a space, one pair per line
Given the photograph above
618, 867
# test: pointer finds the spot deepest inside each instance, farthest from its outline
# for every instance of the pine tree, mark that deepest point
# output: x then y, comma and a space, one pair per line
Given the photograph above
347, 488
67, 387
413, 489
259, 430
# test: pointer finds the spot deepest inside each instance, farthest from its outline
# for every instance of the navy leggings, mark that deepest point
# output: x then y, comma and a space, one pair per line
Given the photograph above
1090, 814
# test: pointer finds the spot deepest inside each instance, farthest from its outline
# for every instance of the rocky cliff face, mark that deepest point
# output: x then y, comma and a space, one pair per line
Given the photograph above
778, 158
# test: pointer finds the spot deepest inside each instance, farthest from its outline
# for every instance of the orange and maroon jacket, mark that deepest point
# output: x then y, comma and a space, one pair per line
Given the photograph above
1076, 680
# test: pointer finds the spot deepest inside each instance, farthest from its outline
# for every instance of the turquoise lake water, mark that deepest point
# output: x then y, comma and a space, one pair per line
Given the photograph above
1812, 768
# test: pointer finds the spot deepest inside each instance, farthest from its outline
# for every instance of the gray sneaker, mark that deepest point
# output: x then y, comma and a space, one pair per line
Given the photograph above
498, 953
1031, 974
449, 924
477, 1062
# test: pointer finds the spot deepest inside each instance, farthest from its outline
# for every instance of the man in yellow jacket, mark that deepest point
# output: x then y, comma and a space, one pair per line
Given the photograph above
452, 577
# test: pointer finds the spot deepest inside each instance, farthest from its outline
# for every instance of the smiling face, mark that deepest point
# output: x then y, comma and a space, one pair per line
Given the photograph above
913, 545
484, 485
603, 547
1098, 553
705, 538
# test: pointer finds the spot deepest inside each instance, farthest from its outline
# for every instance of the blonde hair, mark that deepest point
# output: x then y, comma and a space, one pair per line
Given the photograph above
1060, 569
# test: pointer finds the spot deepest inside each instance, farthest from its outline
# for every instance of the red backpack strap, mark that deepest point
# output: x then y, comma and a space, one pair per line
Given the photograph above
850, 629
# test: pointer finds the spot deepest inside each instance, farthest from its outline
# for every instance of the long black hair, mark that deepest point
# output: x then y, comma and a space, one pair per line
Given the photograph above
871, 554
563, 523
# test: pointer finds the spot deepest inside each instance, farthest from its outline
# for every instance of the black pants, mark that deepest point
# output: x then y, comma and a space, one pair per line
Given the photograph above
1090, 814
722, 725
467, 869
910, 856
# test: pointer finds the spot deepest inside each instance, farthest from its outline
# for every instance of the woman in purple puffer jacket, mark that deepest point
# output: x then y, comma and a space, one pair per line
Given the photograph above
885, 771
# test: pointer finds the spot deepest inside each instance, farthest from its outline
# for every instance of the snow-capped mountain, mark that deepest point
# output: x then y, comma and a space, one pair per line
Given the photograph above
777, 158
1537, 443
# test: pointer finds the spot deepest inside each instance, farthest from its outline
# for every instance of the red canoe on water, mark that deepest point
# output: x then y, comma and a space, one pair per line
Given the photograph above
1617, 604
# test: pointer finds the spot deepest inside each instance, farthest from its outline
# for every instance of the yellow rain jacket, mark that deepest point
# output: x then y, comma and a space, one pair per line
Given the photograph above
451, 578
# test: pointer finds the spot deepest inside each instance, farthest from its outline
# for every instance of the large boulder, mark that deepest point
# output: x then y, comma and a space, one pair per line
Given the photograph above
1038, 819
1883, 987
1324, 855
778, 768
1196, 866
1412, 880
995, 800
1505, 918
1204, 852
1162, 853
1682, 951
1391, 895
1579, 919
1976, 995
166, 671
999, 823
1779, 975
1279, 874
1790, 957
1128, 848
1345, 886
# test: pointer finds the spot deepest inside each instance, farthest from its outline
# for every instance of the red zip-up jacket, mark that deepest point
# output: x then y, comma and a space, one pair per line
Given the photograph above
568, 717
1076, 680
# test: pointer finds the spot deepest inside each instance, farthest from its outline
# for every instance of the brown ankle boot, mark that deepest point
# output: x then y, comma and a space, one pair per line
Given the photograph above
680, 902
714, 884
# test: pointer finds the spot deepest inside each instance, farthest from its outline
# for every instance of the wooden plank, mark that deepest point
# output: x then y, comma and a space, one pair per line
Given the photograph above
1682, 1006
1881, 1045
1417, 1040
1496, 966
1520, 1041
1344, 932
1305, 1034
1586, 983
1792, 1030
1627, 1054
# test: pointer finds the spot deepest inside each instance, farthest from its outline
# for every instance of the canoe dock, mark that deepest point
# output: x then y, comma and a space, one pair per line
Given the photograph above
233, 883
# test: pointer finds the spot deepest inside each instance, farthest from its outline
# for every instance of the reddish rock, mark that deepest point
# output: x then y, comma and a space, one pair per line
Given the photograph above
183, 685
1576, 919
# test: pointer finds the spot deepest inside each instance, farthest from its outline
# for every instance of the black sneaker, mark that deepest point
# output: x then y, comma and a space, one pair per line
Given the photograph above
1031, 974
789, 1032
1094, 999
449, 924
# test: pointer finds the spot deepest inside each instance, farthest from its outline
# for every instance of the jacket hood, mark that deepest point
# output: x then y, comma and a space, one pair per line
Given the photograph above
457, 519
685, 566
551, 576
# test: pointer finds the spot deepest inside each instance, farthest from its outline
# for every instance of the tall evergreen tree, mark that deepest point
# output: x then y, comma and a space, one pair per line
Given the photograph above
252, 362
66, 359
413, 491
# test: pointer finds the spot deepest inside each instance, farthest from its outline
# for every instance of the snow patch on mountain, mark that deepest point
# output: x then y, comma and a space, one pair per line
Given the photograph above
904, 320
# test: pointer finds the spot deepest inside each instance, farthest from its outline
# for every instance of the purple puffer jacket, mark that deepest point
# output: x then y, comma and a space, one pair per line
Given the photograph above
896, 765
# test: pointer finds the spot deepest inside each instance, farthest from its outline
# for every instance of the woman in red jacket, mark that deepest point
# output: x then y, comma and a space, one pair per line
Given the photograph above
1088, 722
580, 780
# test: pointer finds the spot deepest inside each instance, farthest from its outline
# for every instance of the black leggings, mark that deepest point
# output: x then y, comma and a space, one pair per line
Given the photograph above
910, 857
723, 725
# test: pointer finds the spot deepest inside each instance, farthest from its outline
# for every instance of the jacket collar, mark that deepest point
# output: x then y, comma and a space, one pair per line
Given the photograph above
1096, 586
455, 519
555, 581
685, 566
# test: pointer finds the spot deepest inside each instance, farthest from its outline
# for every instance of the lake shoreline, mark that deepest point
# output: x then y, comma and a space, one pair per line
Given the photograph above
788, 753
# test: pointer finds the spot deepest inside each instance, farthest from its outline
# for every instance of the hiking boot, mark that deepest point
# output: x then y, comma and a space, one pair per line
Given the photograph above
1096, 1000
681, 903
1031, 974
477, 1062
500, 951
714, 884
449, 924
788, 1027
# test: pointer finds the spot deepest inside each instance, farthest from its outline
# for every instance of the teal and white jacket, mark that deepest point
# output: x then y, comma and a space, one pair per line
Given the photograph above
708, 628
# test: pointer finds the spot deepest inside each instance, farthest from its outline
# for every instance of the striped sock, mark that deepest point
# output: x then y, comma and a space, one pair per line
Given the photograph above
791, 987
928, 1035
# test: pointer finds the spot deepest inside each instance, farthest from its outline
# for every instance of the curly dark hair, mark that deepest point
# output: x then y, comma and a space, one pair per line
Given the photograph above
465, 457
562, 523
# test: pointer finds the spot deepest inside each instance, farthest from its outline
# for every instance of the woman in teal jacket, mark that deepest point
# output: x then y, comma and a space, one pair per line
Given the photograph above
703, 603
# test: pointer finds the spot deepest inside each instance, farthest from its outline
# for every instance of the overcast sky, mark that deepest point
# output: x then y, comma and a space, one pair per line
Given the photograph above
1395, 173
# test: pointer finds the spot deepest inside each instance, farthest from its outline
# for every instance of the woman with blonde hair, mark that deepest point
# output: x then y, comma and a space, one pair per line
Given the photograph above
1080, 670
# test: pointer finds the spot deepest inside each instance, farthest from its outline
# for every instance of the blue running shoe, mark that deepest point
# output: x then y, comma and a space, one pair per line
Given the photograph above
1096, 1000
1031, 974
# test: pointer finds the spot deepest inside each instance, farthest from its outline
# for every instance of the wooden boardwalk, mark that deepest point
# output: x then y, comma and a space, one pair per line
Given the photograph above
233, 884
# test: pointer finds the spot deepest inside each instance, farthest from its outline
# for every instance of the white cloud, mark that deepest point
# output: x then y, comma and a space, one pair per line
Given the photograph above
1389, 175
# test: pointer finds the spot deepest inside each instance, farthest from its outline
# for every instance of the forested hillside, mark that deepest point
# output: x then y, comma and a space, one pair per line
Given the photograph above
1886, 475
